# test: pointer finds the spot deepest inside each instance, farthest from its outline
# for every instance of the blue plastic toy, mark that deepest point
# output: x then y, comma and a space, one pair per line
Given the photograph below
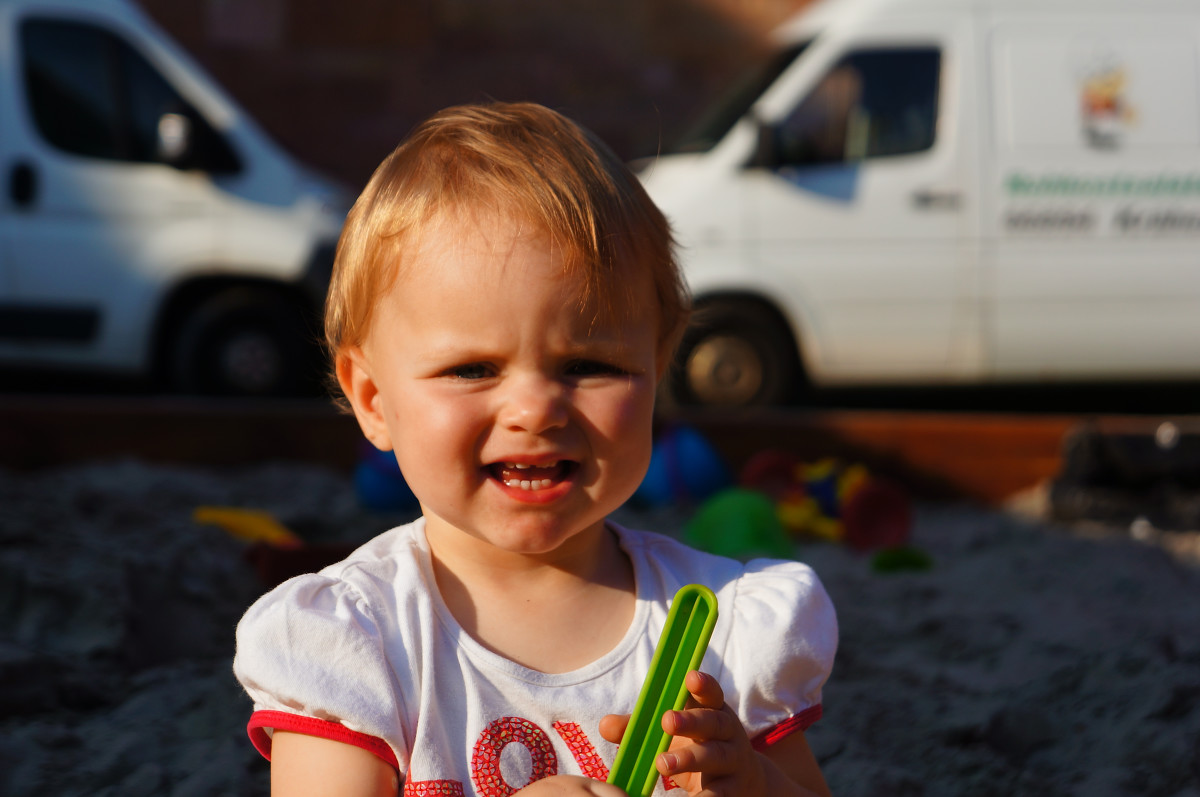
379, 484
684, 469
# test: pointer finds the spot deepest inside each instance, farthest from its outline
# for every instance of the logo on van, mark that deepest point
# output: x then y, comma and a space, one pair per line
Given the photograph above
1105, 111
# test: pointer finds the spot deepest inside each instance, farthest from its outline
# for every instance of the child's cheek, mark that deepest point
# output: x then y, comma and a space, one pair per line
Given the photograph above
629, 416
623, 405
433, 420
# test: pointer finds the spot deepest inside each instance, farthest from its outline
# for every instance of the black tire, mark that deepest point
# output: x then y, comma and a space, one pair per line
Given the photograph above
245, 342
737, 353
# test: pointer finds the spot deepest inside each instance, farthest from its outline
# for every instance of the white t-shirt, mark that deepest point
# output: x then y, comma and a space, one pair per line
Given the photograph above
367, 653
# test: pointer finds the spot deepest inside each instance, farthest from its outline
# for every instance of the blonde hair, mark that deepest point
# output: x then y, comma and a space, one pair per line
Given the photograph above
525, 161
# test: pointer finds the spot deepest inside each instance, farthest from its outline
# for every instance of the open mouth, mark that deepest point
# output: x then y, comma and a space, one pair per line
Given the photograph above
531, 477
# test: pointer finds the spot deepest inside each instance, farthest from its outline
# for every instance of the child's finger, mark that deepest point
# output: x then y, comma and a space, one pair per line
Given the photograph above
710, 759
704, 689
702, 724
612, 727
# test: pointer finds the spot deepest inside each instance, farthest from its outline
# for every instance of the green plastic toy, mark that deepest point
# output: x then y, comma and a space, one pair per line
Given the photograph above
739, 523
900, 558
684, 639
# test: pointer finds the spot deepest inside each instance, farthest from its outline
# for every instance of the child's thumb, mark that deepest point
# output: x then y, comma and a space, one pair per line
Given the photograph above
612, 727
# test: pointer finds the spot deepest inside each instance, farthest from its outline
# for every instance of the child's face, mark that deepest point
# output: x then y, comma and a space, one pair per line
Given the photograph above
514, 417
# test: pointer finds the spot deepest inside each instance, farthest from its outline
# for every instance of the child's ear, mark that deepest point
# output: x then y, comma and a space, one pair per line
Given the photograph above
354, 375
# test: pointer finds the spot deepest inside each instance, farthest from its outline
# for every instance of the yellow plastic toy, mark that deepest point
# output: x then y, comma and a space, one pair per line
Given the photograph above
830, 500
800, 514
252, 525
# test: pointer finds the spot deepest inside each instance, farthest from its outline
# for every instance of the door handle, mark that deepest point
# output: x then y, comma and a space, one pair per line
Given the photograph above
935, 199
22, 185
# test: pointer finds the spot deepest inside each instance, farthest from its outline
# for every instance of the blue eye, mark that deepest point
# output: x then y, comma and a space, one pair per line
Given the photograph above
594, 368
470, 371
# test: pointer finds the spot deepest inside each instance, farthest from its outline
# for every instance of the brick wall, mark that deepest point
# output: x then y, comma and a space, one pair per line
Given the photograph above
338, 84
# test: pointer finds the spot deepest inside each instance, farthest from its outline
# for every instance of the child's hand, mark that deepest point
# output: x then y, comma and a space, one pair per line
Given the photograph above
711, 751
570, 786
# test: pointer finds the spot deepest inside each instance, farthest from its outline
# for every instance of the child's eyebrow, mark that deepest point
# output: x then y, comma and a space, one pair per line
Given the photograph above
441, 353
592, 339
607, 348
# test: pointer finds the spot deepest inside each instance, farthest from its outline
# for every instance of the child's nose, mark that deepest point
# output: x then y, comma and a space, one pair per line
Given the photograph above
534, 404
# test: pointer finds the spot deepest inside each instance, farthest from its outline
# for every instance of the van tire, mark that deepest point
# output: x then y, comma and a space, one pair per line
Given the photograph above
738, 353
244, 342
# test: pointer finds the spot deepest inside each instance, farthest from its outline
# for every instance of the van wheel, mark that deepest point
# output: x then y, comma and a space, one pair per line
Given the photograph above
739, 353
245, 342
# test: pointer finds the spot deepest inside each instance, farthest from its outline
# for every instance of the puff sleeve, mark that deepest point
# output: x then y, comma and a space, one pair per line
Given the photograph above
311, 657
780, 648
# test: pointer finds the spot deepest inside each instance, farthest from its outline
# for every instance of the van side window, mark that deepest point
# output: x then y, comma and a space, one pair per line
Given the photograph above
871, 104
72, 88
91, 94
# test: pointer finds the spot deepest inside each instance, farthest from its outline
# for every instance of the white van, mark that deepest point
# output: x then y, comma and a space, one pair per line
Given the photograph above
148, 226
947, 191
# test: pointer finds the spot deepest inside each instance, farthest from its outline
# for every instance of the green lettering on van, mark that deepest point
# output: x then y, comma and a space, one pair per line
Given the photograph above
1113, 185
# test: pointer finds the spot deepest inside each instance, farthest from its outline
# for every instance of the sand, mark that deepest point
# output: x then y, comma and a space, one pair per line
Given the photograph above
1032, 658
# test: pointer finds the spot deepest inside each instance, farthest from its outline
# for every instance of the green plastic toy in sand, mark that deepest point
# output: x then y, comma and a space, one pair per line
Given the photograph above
684, 639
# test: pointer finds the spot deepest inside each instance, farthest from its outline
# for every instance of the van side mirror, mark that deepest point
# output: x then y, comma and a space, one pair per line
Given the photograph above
766, 147
174, 139
185, 141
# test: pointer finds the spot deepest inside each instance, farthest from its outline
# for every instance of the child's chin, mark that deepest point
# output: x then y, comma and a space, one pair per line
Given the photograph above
532, 538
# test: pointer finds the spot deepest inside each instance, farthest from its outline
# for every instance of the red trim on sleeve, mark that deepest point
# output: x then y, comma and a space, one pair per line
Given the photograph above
797, 722
311, 726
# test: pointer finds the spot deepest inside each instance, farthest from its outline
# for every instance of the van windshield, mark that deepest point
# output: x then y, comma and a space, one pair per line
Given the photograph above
718, 119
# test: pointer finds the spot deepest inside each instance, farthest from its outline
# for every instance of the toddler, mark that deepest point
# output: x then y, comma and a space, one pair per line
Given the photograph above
504, 300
